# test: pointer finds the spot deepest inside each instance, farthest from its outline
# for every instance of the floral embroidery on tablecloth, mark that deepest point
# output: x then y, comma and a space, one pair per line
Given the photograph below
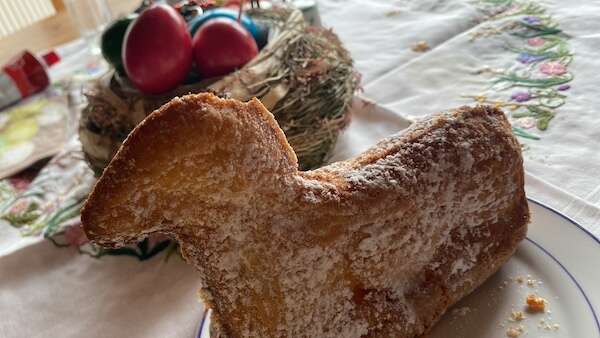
49, 206
533, 88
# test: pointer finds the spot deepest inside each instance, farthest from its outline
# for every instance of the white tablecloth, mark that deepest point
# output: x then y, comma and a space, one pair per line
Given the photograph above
562, 167
47, 291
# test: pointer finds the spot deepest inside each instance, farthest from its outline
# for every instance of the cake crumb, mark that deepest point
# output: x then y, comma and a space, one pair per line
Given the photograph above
548, 326
520, 279
514, 332
420, 47
517, 316
392, 13
535, 303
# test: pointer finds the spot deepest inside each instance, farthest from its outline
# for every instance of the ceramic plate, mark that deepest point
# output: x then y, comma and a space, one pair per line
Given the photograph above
557, 261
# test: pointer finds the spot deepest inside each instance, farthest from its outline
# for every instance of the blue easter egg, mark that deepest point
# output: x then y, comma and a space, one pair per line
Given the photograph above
229, 13
262, 36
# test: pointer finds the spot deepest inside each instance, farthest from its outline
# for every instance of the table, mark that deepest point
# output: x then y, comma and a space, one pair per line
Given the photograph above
416, 58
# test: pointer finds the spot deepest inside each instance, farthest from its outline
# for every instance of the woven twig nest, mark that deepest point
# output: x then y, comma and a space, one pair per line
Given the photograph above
304, 76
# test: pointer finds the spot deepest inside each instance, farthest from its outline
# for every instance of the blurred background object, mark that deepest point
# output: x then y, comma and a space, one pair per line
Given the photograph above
17, 14
49, 50
310, 11
57, 50
23, 76
46, 29
90, 17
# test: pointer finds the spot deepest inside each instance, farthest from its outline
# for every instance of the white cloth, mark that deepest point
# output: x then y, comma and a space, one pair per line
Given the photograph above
564, 164
56, 292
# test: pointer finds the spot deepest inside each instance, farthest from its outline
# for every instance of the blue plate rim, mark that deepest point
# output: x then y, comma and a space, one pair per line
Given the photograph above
565, 217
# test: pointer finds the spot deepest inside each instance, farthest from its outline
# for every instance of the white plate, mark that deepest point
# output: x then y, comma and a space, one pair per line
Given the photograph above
561, 255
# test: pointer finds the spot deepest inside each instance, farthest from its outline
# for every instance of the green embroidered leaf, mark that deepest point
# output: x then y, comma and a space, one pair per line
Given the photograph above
539, 111
513, 79
532, 31
522, 114
522, 133
542, 123
542, 115
498, 2
18, 220
66, 212
6, 192
24, 217
552, 102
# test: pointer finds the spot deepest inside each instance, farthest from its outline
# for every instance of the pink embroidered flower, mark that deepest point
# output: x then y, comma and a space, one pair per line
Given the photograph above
535, 42
19, 183
553, 68
49, 207
19, 207
526, 122
75, 235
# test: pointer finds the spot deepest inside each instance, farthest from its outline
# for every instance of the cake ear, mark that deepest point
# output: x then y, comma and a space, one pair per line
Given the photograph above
191, 156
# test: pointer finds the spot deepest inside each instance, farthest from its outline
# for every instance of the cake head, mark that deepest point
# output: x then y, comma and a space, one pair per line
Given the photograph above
183, 164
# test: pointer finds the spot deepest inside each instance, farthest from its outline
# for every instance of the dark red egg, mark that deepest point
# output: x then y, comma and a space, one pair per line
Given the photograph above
221, 46
157, 50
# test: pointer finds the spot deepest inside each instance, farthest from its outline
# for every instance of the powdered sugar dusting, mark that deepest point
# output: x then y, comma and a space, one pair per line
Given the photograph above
353, 249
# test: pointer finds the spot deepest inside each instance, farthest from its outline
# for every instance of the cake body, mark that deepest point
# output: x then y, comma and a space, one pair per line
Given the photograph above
377, 246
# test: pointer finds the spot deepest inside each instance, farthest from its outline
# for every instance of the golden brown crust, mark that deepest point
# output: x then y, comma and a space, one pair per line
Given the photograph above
195, 116
377, 246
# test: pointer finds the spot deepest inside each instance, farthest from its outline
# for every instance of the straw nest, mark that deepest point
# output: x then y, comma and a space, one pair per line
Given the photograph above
304, 76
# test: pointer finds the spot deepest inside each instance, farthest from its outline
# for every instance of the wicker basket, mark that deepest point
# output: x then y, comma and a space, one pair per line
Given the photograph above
304, 76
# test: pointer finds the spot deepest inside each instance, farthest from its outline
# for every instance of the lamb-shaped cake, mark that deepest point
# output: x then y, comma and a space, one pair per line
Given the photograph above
377, 246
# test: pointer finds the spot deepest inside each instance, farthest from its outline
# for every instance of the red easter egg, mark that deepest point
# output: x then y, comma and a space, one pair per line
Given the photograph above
221, 46
157, 50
